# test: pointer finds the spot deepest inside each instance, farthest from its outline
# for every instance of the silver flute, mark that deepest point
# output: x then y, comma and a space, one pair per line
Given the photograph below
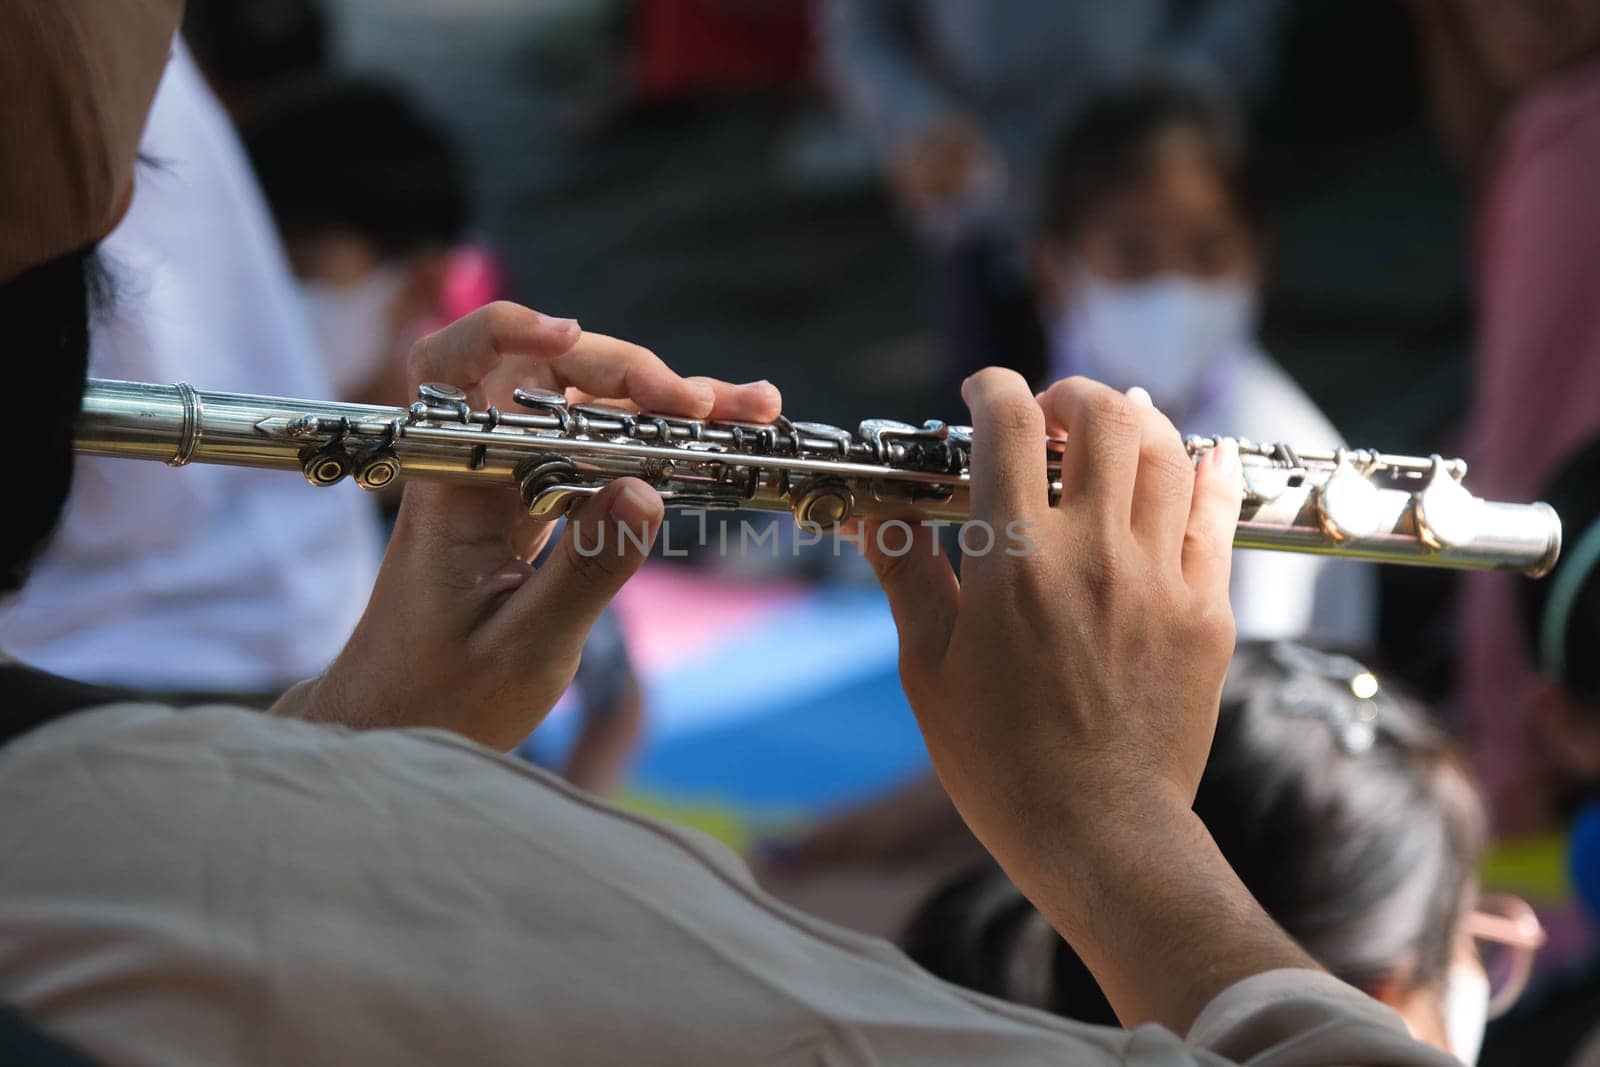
1339, 502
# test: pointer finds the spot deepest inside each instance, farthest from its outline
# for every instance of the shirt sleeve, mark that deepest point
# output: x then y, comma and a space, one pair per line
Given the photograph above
1305, 1018
873, 63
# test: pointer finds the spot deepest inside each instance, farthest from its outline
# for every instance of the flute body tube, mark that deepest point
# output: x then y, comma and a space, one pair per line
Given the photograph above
1352, 503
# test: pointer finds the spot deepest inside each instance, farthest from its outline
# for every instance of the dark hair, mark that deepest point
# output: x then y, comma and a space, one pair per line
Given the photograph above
356, 154
248, 47
1115, 141
44, 317
1358, 838
1575, 494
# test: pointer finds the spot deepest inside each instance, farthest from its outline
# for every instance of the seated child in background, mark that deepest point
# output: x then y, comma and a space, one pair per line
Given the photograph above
371, 255
1347, 813
377, 269
1147, 269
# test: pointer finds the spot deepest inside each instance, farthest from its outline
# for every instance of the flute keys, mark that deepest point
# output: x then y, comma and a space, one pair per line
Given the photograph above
1446, 514
1349, 507
377, 471
545, 400
826, 503
440, 393
327, 465
838, 439
1264, 483
878, 431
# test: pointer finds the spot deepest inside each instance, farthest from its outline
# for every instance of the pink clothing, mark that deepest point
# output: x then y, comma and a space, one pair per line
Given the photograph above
1538, 386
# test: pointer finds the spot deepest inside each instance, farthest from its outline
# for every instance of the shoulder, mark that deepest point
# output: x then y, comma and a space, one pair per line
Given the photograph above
412, 897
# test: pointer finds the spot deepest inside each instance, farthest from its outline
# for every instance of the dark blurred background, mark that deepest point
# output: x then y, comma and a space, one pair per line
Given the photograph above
742, 229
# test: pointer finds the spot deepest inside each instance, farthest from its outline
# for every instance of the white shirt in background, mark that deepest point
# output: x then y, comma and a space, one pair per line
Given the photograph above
1282, 595
207, 578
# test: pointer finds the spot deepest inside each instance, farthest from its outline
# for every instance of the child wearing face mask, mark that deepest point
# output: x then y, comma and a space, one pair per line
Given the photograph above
1147, 271
369, 196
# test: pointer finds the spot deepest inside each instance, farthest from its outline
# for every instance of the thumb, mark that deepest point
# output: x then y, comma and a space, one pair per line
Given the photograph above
606, 541
920, 584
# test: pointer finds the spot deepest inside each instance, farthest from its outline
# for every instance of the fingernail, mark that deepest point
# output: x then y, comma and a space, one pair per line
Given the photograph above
635, 507
756, 384
560, 324
1140, 395
1227, 451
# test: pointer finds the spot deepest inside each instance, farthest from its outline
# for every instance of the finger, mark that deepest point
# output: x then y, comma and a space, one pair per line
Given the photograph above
529, 536
606, 541
920, 584
464, 352
1213, 518
606, 367
1008, 458
1164, 487
1101, 460
751, 402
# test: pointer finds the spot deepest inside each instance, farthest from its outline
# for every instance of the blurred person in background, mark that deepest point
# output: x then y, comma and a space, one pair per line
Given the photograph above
1347, 812
1560, 627
370, 256
1516, 89
248, 49
961, 99
1561, 624
191, 586
373, 260
1147, 269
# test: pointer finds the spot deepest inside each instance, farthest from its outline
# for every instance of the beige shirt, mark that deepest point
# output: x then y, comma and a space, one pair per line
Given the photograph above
223, 887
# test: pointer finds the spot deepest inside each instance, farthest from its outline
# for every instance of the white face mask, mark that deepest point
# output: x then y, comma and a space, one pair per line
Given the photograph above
354, 325
1466, 1010
1166, 334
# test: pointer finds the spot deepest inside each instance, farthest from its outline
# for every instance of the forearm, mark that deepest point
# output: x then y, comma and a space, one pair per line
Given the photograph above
1156, 913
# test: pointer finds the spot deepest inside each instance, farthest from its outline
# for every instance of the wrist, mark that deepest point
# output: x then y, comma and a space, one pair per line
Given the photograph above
1111, 839
326, 699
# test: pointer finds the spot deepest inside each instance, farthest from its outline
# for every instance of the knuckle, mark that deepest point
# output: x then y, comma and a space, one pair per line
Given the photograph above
1017, 417
501, 321
502, 312
1167, 466
1103, 568
1210, 627
891, 569
1106, 405
592, 558
1203, 545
